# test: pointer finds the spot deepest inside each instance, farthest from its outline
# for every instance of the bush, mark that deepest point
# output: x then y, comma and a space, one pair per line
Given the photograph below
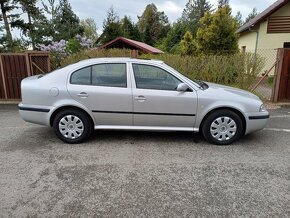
239, 70
95, 53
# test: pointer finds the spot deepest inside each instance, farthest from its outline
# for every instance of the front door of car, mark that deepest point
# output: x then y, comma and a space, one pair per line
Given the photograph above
104, 89
157, 103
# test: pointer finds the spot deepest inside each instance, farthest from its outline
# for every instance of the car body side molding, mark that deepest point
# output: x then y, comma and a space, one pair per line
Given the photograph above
143, 113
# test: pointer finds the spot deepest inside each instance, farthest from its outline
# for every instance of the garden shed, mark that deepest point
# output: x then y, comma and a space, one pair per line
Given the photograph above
124, 43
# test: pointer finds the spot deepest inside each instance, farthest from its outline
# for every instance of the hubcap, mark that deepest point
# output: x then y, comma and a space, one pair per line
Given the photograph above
71, 127
223, 128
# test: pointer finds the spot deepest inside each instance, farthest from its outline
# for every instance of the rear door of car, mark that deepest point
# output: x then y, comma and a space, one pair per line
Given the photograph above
104, 89
157, 103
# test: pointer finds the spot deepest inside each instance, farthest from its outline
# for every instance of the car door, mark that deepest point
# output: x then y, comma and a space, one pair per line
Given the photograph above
157, 103
105, 90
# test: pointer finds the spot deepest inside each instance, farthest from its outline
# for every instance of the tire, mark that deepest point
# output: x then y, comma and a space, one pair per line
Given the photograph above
222, 127
72, 126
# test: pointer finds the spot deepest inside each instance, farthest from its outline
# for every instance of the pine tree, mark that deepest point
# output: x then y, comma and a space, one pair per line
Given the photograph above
253, 14
35, 19
67, 23
187, 44
6, 7
193, 12
222, 3
153, 24
217, 33
111, 27
130, 30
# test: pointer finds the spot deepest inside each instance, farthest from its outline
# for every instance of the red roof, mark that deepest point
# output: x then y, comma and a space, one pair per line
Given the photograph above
263, 15
136, 44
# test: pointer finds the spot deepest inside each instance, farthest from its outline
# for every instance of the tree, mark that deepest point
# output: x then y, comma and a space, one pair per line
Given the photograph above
52, 9
170, 43
111, 27
194, 10
90, 28
218, 32
222, 3
63, 24
153, 24
239, 19
129, 29
67, 23
35, 19
187, 44
6, 7
253, 14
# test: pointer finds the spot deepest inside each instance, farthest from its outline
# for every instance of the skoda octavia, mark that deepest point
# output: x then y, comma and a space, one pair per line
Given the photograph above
134, 94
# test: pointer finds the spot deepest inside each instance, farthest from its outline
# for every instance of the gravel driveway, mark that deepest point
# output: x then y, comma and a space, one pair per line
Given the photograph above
141, 174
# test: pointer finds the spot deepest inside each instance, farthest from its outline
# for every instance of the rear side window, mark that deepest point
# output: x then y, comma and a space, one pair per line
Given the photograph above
112, 75
81, 77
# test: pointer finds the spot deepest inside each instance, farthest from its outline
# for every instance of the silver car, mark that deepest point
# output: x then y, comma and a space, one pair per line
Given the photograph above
134, 94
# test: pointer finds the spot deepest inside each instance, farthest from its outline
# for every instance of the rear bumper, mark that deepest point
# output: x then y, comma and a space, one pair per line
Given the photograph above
35, 114
256, 121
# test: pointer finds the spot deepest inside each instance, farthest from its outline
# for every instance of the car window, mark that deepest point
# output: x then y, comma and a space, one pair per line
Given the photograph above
151, 77
81, 77
113, 75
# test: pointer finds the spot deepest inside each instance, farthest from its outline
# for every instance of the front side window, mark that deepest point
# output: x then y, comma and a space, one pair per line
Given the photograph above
151, 77
113, 75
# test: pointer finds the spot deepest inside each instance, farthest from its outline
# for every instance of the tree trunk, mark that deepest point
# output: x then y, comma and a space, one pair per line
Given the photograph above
7, 27
31, 31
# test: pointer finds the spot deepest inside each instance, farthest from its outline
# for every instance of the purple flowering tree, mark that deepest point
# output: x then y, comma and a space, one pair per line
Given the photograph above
62, 49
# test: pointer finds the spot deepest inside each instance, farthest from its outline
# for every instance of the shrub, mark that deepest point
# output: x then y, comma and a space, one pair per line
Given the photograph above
95, 53
239, 70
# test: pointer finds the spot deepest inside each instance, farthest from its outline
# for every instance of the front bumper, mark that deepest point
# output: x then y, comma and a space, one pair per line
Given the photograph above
35, 113
256, 121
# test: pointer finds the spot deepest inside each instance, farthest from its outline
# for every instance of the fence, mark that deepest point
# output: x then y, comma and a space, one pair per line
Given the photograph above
15, 67
264, 86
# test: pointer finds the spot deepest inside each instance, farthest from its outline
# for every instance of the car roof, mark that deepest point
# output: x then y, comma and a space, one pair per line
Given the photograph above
121, 59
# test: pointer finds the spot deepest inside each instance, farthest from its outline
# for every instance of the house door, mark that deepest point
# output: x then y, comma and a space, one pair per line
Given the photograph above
284, 89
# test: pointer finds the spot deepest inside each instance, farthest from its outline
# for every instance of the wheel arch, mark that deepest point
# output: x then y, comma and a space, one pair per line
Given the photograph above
239, 113
67, 107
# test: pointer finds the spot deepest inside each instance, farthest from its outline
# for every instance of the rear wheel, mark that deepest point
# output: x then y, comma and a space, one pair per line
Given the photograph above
72, 126
222, 127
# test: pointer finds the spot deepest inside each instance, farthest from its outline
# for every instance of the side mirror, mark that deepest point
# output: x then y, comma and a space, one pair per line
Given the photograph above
182, 87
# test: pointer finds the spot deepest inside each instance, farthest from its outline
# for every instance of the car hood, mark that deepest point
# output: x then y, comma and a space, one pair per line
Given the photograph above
232, 90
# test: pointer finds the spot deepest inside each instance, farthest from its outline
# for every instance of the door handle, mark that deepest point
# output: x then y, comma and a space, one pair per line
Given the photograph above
140, 98
83, 95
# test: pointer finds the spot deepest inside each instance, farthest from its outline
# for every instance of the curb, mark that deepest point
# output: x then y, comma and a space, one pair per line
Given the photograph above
9, 102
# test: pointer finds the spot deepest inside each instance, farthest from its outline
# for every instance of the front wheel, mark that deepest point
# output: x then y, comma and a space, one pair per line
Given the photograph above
222, 127
72, 126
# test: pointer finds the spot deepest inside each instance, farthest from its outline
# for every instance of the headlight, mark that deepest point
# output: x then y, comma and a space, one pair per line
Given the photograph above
262, 108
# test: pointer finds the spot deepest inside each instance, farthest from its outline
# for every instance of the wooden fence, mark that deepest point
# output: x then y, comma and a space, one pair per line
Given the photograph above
15, 67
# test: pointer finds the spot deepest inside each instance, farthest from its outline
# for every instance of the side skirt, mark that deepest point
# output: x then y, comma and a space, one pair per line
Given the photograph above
147, 128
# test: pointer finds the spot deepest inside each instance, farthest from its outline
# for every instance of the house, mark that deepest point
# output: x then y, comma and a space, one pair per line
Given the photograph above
122, 42
268, 30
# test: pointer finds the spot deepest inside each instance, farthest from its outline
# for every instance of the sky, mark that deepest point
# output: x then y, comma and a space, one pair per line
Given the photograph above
97, 9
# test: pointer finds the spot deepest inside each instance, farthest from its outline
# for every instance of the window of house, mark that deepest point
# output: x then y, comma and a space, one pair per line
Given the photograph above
286, 45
